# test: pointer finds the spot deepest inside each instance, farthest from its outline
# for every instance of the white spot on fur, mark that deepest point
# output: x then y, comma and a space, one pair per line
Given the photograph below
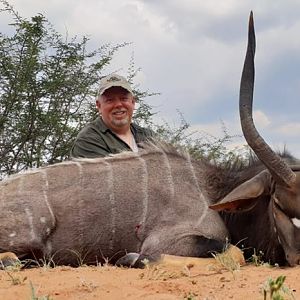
144, 189
110, 181
279, 240
296, 222
79, 165
168, 171
204, 212
30, 221
48, 230
13, 234
43, 220
45, 194
27, 211
276, 199
169, 175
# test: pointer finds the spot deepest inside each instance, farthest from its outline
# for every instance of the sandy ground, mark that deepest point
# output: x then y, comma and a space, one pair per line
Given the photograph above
186, 281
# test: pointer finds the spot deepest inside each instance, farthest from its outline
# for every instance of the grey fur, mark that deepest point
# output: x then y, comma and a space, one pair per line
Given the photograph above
99, 208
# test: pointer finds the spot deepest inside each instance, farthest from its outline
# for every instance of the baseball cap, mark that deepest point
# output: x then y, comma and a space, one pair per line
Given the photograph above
113, 80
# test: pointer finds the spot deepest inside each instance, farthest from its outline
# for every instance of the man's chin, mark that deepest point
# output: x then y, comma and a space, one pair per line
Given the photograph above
120, 123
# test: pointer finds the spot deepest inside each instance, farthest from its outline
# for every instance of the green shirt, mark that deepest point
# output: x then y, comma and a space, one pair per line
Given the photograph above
96, 140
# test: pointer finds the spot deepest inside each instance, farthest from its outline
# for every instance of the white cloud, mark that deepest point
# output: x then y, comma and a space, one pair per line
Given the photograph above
290, 130
261, 119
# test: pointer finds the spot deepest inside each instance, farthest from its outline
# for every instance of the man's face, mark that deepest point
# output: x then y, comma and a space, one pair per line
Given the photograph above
116, 106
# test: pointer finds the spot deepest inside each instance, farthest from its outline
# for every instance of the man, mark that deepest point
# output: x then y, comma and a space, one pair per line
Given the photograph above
112, 131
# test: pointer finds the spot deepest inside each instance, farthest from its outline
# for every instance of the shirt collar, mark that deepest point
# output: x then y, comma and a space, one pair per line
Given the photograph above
102, 126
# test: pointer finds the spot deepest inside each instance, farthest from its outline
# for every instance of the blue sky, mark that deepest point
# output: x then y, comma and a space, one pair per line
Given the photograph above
192, 52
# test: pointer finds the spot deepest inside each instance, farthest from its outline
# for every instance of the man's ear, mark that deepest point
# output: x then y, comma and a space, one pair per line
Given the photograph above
98, 105
133, 100
246, 195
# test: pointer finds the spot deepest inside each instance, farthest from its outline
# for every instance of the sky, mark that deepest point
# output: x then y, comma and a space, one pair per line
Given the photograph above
192, 52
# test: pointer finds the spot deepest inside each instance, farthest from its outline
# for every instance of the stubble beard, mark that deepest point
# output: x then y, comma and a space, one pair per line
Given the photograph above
120, 123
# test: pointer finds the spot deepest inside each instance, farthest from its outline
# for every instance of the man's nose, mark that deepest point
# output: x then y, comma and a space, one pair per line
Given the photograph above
117, 102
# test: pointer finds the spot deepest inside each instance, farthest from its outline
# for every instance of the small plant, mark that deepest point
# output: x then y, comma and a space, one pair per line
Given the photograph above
15, 280
227, 260
105, 260
34, 296
46, 263
276, 289
257, 259
11, 269
80, 257
154, 272
190, 296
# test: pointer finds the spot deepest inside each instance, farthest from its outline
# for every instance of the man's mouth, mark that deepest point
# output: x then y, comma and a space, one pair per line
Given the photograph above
119, 113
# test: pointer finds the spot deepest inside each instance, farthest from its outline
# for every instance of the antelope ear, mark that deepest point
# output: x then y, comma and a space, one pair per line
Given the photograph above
245, 196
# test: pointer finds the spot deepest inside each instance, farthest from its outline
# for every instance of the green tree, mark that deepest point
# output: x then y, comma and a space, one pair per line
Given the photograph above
48, 86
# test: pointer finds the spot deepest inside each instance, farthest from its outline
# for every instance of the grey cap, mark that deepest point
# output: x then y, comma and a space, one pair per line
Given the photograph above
113, 80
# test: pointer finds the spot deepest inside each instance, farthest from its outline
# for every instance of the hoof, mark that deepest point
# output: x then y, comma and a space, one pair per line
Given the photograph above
128, 260
8, 259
